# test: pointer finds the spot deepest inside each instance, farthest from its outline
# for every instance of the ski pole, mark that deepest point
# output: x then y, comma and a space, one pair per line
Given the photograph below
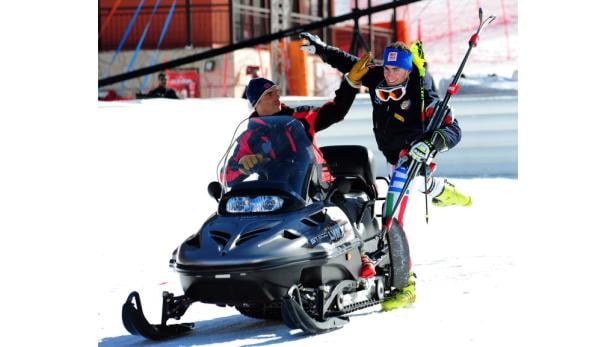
439, 116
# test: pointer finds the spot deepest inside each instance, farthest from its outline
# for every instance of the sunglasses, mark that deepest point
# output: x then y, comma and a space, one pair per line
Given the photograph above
394, 93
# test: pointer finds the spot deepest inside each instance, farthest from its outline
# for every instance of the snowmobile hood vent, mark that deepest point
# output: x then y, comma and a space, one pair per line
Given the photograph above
314, 219
309, 222
220, 237
290, 234
194, 240
249, 235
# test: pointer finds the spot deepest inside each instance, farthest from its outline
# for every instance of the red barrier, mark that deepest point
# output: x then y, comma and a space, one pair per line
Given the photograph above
185, 82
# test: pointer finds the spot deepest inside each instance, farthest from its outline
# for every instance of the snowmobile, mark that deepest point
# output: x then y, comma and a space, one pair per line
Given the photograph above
283, 243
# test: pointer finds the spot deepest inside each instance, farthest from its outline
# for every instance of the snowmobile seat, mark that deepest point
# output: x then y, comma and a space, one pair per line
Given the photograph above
355, 164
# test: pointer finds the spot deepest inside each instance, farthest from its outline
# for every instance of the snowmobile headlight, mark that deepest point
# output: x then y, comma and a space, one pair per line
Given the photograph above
246, 204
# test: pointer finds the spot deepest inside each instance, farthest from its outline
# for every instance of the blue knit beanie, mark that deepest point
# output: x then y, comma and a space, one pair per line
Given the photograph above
256, 88
398, 57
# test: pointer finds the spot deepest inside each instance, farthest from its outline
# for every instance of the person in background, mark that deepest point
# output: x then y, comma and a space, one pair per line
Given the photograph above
162, 91
255, 74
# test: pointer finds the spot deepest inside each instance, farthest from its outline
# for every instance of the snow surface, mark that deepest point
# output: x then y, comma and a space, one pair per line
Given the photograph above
158, 157
94, 198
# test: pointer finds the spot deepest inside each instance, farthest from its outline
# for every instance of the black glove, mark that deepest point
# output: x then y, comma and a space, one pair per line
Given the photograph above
314, 45
437, 139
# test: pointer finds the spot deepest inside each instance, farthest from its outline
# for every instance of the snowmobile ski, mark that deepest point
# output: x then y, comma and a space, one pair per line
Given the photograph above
295, 317
135, 322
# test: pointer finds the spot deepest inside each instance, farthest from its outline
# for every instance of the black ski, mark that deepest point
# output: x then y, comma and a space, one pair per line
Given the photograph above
173, 307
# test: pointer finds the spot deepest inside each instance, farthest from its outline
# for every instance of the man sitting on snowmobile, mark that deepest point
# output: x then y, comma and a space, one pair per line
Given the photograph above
264, 96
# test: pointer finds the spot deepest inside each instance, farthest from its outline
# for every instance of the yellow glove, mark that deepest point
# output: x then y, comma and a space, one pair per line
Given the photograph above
248, 162
359, 70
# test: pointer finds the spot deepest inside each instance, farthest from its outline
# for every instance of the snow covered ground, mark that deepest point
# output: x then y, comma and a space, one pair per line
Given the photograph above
94, 213
93, 205
158, 157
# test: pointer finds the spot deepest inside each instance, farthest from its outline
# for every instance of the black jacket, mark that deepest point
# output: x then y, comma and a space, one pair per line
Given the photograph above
162, 92
397, 124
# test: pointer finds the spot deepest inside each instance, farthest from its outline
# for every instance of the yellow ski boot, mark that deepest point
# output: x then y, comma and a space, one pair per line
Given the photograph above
404, 297
451, 196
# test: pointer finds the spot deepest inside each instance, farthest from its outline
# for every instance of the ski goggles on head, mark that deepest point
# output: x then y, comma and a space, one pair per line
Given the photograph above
394, 93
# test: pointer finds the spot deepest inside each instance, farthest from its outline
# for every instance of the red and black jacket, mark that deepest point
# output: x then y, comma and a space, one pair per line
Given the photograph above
314, 120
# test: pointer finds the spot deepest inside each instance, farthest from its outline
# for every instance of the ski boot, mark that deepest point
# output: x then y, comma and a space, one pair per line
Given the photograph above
404, 297
451, 196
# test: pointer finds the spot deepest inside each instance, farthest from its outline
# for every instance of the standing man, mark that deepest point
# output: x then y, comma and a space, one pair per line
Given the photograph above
403, 99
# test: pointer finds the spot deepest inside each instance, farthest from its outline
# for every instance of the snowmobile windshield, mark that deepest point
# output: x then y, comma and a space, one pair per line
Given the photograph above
272, 151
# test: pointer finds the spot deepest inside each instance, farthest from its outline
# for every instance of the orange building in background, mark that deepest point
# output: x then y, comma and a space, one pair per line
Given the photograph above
209, 23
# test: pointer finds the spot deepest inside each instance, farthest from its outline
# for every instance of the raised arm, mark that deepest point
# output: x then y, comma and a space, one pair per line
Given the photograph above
335, 57
339, 59
334, 111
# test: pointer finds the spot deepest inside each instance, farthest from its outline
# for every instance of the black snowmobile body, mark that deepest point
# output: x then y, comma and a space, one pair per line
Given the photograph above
284, 244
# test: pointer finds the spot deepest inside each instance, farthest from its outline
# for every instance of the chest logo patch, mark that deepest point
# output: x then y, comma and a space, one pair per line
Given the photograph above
405, 104
399, 117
